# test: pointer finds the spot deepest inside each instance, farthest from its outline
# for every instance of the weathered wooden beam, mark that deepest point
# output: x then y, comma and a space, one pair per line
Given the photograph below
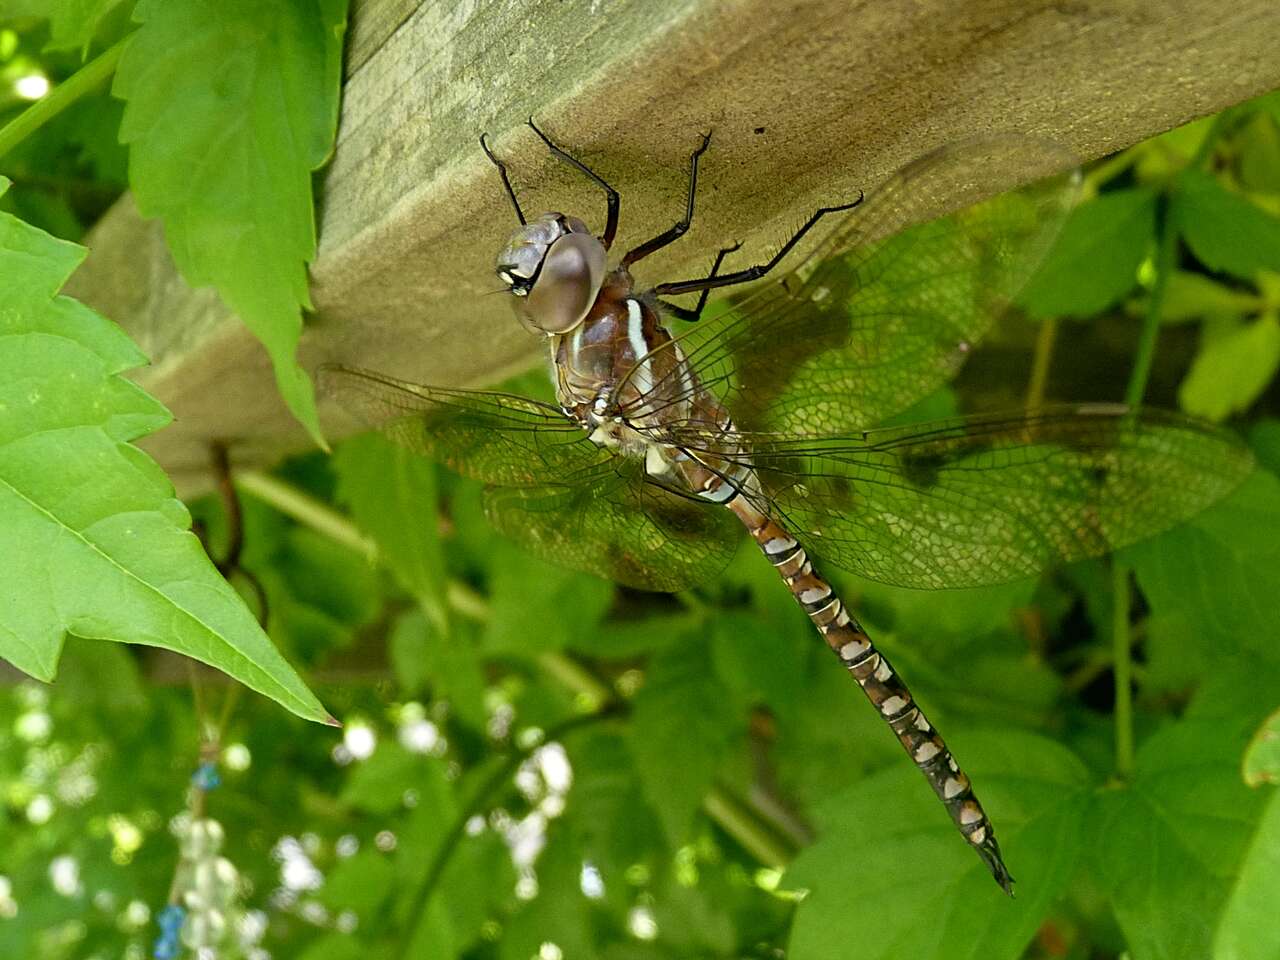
809, 102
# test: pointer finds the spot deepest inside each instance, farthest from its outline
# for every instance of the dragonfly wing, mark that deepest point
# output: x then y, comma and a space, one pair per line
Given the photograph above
987, 499
616, 524
494, 437
887, 308
550, 488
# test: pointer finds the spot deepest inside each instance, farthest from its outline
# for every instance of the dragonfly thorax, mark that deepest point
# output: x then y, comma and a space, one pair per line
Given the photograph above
553, 267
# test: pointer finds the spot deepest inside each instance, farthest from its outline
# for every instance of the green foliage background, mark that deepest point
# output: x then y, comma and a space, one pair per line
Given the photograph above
730, 794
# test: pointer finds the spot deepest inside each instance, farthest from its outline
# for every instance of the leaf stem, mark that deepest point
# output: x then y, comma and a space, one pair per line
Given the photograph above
1121, 667
1121, 643
1041, 362
479, 800
61, 96
306, 509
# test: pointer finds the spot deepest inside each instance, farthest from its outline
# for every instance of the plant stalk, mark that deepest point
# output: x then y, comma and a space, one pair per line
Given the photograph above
83, 81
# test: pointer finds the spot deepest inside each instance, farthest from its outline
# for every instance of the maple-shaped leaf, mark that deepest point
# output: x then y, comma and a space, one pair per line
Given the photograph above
92, 541
230, 104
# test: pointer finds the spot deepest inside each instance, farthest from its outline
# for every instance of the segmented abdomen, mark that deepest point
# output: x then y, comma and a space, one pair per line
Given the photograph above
879, 681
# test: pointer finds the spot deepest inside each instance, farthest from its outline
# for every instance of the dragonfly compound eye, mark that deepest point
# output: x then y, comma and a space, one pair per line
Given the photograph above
554, 267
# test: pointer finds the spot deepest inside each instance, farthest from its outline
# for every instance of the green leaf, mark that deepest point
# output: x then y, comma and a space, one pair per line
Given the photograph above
890, 877
1260, 154
73, 23
451, 666
1232, 369
378, 784
1248, 929
360, 883
684, 719
1194, 296
230, 106
1223, 229
1168, 847
757, 659
1095, 260
92, 541
535, 606
607, 818
1264, 438
1262, 759
1211, 583
392, 494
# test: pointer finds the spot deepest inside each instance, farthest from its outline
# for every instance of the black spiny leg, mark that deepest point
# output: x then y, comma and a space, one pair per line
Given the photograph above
694, 315
611, 195
506, 181
751, 273
678, 230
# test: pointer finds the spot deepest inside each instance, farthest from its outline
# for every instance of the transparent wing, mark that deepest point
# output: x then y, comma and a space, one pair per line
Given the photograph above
619, 526
495, 437
888, 307
550, 488
982, 500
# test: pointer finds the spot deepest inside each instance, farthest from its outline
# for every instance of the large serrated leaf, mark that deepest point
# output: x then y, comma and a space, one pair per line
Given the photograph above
1211, 584
230, 106
1095, 259
1223, 229
890, 878
1168, 846
92, 541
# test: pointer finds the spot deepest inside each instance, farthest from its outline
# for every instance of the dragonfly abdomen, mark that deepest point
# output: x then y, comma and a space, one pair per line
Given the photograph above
879, 681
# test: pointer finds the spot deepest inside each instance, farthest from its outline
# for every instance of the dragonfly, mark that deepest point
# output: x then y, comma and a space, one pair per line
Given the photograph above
666, 443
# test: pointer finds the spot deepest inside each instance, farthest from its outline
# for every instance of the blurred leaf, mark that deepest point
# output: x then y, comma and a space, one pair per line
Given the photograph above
420, 656
1168, 846
623, 639
1264, 438
1095, 260
535, 607
920, 890
335, 946
230, 106
91, 540
607, 819
1262, 759
392, 495
1248, 929
73, 23
684, 719
360, 883
560, 914
378, 784
1193, 296
1233, 367
757, 660
1223, 229
1260, 153
1211, 583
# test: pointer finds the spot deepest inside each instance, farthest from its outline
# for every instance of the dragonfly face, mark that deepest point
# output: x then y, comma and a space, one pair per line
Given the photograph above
553, 267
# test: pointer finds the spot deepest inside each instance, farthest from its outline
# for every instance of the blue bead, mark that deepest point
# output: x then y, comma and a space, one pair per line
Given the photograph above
170, 918
166, 948
206, 776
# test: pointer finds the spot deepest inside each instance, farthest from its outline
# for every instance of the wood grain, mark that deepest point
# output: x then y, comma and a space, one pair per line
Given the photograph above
809, 101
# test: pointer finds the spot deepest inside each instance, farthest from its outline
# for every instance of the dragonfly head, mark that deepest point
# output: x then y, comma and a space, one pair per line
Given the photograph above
554, 268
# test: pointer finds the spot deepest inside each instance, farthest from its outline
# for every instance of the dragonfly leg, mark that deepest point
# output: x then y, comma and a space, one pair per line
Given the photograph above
751, 273
506, 181
879, 681
678, 230
611, 195
692, 316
